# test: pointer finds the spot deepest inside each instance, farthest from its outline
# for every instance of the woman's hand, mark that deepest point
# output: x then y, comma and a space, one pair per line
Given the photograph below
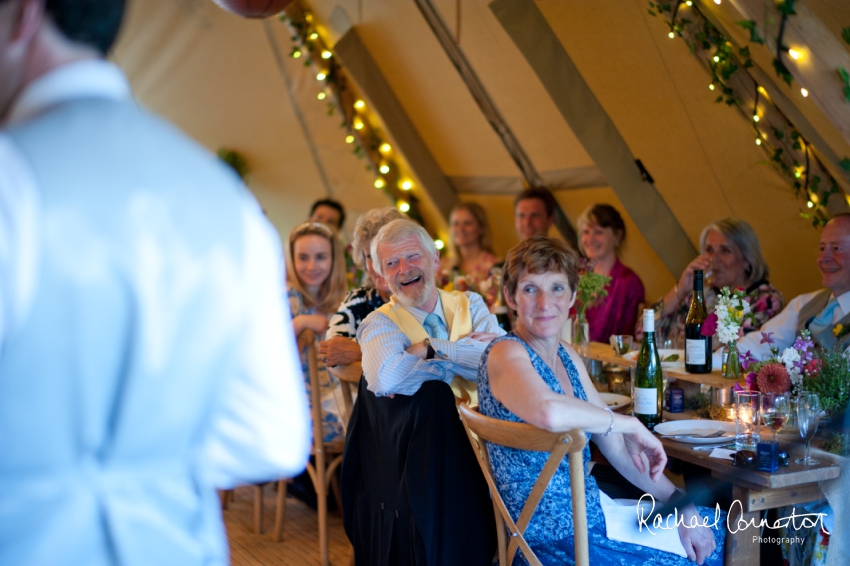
316, 322
340, 351
686, 281
485, 337
641, 441
698, 541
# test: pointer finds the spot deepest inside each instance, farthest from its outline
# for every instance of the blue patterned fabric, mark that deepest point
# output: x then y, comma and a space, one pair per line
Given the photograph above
333, 427
550, 532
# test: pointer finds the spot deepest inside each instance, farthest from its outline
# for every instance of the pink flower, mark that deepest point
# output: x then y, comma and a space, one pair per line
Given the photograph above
773, 378
766, 338
762, 304
709, 327
752, 383
812, 368
746, 360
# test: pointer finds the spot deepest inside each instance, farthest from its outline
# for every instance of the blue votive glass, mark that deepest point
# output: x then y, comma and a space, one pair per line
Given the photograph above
768, 456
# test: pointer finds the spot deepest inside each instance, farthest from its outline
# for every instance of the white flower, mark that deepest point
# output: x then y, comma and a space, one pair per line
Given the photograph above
789, 356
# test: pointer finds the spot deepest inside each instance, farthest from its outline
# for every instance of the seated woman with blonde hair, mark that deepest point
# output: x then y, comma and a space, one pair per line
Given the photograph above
530, 376
470, 248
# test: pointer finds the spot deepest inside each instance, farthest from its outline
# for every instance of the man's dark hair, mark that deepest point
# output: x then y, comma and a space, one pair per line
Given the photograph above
333, 204
91, 22
541, 193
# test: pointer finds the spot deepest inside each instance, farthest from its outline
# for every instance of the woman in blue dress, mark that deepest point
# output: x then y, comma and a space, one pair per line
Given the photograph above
530, 376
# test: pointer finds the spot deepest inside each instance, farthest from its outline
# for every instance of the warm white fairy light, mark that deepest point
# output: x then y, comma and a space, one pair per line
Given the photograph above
326, 54
358, 125
349, 139
403, 206
758, 141
384, 169
804, 92
439, 244
360, 105
407, 185
380, 183
795, 55
671, 35
321, 76
711, 86
321, 96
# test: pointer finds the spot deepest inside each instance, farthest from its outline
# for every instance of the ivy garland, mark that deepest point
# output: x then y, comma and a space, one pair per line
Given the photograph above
788, 150
366, 139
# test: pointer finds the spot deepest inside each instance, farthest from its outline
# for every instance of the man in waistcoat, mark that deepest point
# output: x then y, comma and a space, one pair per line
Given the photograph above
146, 355
412, 490
825, 312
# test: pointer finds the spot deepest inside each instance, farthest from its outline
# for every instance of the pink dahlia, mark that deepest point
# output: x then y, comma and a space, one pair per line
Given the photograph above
773, 378
709, 326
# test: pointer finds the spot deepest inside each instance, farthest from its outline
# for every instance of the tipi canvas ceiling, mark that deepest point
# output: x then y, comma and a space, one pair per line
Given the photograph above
218, 78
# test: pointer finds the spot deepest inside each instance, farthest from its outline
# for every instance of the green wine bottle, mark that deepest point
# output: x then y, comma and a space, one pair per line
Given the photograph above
648, 383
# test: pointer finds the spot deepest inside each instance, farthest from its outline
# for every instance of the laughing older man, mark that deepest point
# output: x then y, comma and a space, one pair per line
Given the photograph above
423, 333
820, 311
411, 488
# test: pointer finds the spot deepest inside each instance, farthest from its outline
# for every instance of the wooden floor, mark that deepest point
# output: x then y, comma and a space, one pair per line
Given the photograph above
300, 544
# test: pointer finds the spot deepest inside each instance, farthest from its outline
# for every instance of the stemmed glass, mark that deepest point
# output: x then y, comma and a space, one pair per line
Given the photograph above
808, 417
775, 409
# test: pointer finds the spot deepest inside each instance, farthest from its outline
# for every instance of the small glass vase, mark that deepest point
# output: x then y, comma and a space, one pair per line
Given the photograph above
581, 334
731, 364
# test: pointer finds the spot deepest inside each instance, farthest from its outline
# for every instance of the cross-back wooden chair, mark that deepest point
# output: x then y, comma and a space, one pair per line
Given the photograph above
522, 436
327, 456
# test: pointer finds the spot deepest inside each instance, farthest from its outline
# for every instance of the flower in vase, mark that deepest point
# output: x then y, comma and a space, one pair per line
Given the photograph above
812, 368
773, 378
746, 359
767, 338
709, 326
789, 356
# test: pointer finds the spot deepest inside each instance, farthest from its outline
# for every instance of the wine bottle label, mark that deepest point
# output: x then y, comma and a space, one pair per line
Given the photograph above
646, 401
695, 352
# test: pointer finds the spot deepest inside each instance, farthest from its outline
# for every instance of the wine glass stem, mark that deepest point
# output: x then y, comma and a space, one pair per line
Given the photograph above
808, 440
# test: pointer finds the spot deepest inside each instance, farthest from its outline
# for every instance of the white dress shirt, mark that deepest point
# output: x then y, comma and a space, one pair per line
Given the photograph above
261, 426
389, 369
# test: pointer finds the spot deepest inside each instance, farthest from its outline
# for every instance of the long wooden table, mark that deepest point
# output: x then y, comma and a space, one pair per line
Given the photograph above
605, 354
754, 491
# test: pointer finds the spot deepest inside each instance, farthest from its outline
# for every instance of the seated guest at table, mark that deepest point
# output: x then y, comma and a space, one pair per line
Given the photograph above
530, 376
411, 488
820, 311
601, 233
730, 256
341, 347
315, 285
471, 246
329, 212
534, 212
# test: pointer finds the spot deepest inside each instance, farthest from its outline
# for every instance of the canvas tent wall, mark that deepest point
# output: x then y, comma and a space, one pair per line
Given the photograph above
219, 78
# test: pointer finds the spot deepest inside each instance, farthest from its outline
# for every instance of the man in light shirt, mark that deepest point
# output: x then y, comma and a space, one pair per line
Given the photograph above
534, 212
821, 312
411, 488
146, 354
418, 336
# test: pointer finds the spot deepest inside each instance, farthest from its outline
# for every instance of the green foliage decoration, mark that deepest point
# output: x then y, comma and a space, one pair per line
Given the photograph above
235, 160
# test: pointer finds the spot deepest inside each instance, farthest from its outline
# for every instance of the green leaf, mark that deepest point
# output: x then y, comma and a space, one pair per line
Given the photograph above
846, 78
779, 134
782, 71
845, 35
845, 164
777, 155
746, 24
719, 98
651, 13
787, 8
744, 51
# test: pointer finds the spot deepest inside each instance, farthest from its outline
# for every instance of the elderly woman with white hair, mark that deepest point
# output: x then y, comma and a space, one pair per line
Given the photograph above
730, 256
341, 348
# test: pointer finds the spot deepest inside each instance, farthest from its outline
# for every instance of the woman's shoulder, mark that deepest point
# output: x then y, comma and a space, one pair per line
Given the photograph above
505, 347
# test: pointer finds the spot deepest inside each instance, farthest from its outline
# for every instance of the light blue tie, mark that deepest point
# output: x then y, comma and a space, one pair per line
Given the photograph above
434, 326
824, 320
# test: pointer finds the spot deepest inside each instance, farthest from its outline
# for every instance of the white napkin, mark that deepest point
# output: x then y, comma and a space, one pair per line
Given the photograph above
621, 524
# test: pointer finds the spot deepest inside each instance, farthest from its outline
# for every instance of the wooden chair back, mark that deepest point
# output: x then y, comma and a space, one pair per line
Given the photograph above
348, 376
522, 436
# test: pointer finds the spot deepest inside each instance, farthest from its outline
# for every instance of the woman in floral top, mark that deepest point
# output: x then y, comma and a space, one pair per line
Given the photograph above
730, 257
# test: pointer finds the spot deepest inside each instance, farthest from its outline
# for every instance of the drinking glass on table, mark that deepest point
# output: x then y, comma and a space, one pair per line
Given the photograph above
775, 409
808, 417
747, 421
621, 343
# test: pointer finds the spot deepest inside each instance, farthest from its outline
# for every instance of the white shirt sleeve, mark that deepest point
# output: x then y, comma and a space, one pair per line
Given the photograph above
19, 238
262, 430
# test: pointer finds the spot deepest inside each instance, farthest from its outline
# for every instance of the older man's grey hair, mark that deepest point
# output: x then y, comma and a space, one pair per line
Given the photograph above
368, 226
742, 236
395, 232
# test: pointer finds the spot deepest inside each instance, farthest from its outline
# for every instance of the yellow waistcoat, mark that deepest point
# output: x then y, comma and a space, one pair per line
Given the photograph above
459, 320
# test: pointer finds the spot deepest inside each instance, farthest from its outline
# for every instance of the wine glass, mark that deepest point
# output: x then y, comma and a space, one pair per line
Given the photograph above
808, 417
775, 409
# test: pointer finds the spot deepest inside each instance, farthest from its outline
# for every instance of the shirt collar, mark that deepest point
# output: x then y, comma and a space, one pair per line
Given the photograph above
844, 302
81, 79
420, 314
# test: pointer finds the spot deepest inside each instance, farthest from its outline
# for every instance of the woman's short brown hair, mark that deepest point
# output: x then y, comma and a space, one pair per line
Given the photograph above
539, 254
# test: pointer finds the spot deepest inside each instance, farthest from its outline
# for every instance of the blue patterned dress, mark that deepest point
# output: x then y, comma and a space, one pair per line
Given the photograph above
550, 532
329, 386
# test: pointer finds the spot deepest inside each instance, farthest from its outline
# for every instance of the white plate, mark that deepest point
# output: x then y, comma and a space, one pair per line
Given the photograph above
662, 353
614, 401
698, 427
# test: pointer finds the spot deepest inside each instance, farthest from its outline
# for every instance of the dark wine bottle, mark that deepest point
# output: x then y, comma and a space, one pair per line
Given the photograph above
697, 346
648, 379
499, 307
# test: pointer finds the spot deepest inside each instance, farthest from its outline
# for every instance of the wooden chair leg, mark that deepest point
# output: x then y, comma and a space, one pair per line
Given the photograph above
258, 509
280, 512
